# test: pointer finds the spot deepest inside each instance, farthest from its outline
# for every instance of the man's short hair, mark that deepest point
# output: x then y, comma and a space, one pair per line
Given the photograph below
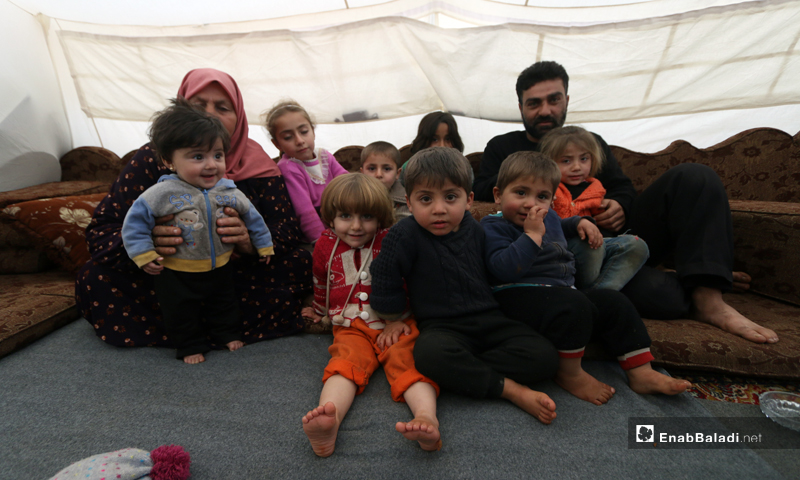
528, 164
436, 165
540, 72
381, 148
183, 125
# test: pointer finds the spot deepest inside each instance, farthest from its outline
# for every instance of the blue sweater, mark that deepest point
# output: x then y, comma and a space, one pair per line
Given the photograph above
196, 212
513, 258
445, 275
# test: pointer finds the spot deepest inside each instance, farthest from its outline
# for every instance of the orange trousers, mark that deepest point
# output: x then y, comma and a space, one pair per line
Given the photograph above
355, 356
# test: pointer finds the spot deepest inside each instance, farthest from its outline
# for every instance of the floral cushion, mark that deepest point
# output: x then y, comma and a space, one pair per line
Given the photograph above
56, 226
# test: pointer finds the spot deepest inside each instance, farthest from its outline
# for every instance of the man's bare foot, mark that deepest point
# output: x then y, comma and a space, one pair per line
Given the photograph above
193, 359
709, 307
235, 345
321, 429
422, 430
585, 386
535, 403
741, 282
643, 379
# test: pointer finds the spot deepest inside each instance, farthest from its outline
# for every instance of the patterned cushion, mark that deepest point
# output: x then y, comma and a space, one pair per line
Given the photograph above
349, 157
56, 226
758, 164
91, 163
53, 189
23, 260
33, 306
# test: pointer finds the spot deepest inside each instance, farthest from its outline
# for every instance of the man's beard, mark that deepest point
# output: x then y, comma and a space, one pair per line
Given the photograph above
533, 128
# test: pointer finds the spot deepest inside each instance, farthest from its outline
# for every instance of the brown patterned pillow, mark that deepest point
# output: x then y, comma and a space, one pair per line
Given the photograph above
54, 189
56, 226
15, 261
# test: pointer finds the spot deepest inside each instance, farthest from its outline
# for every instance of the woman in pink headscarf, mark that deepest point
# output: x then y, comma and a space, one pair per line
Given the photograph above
117, 298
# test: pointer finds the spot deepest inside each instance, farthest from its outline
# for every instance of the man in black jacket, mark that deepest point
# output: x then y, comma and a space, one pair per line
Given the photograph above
684, 214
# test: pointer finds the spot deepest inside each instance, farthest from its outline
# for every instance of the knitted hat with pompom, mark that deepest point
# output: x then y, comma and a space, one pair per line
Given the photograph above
164, 463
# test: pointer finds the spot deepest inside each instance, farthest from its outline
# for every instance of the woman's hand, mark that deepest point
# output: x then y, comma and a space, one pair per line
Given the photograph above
166, 237
231, 229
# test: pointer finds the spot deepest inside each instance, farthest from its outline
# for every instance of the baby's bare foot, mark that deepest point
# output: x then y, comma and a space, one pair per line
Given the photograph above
422, 430
535, 403
643, 379
194, 359
321, 429
585, 387
235, 345
709, 307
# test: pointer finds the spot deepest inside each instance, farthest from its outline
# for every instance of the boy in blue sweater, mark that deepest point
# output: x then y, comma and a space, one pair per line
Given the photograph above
532, 273
197, 280
466, 345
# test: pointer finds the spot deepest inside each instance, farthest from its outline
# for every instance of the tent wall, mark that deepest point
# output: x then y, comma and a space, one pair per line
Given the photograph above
33, 127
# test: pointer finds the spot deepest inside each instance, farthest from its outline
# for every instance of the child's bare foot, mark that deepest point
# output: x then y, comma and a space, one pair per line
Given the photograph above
643, 379
536, 403
321, 429
709, 307
193, 359
422, 430
585, 386
235, 345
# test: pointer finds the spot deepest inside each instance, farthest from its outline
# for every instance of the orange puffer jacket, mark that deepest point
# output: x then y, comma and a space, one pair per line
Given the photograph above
587, 204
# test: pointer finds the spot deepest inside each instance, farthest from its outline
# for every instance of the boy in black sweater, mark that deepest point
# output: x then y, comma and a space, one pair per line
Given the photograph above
466, 344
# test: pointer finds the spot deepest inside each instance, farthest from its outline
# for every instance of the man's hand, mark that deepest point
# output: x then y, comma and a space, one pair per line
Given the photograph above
231, 229
391, 334
166, 237
588, 231
614, 216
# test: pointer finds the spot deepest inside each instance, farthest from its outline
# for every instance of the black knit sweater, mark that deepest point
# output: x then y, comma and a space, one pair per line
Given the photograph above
446, 275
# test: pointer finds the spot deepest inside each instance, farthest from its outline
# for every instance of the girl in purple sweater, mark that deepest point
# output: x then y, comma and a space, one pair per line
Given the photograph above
306, 169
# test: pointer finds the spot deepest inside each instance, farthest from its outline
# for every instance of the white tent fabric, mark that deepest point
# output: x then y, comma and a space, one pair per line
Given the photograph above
641, 74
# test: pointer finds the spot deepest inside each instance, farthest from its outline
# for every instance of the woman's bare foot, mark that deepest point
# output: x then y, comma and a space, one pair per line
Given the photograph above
423, 430
535, 403
643, 379
709, 307
585, 386
235, 345
741, 282
321, 429
193, 359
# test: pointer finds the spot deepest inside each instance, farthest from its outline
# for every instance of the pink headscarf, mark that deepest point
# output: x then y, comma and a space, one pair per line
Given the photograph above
245, 159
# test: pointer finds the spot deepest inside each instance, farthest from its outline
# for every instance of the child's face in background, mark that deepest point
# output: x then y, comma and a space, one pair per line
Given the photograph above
442, 137
294, 136
355, 229
381, 167
439, 210
198, 166
520, 196
575, 164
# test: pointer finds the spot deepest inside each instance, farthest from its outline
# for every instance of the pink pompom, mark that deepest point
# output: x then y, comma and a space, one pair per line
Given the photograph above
170, 463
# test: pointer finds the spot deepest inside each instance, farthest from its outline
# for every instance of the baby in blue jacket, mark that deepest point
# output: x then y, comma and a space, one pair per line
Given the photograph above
197, 280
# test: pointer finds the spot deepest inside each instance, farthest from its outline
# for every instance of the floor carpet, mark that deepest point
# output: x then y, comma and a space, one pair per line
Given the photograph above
69, 396
733, 389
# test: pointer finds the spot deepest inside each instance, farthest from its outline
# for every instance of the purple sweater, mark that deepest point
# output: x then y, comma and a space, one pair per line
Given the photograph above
306, 194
